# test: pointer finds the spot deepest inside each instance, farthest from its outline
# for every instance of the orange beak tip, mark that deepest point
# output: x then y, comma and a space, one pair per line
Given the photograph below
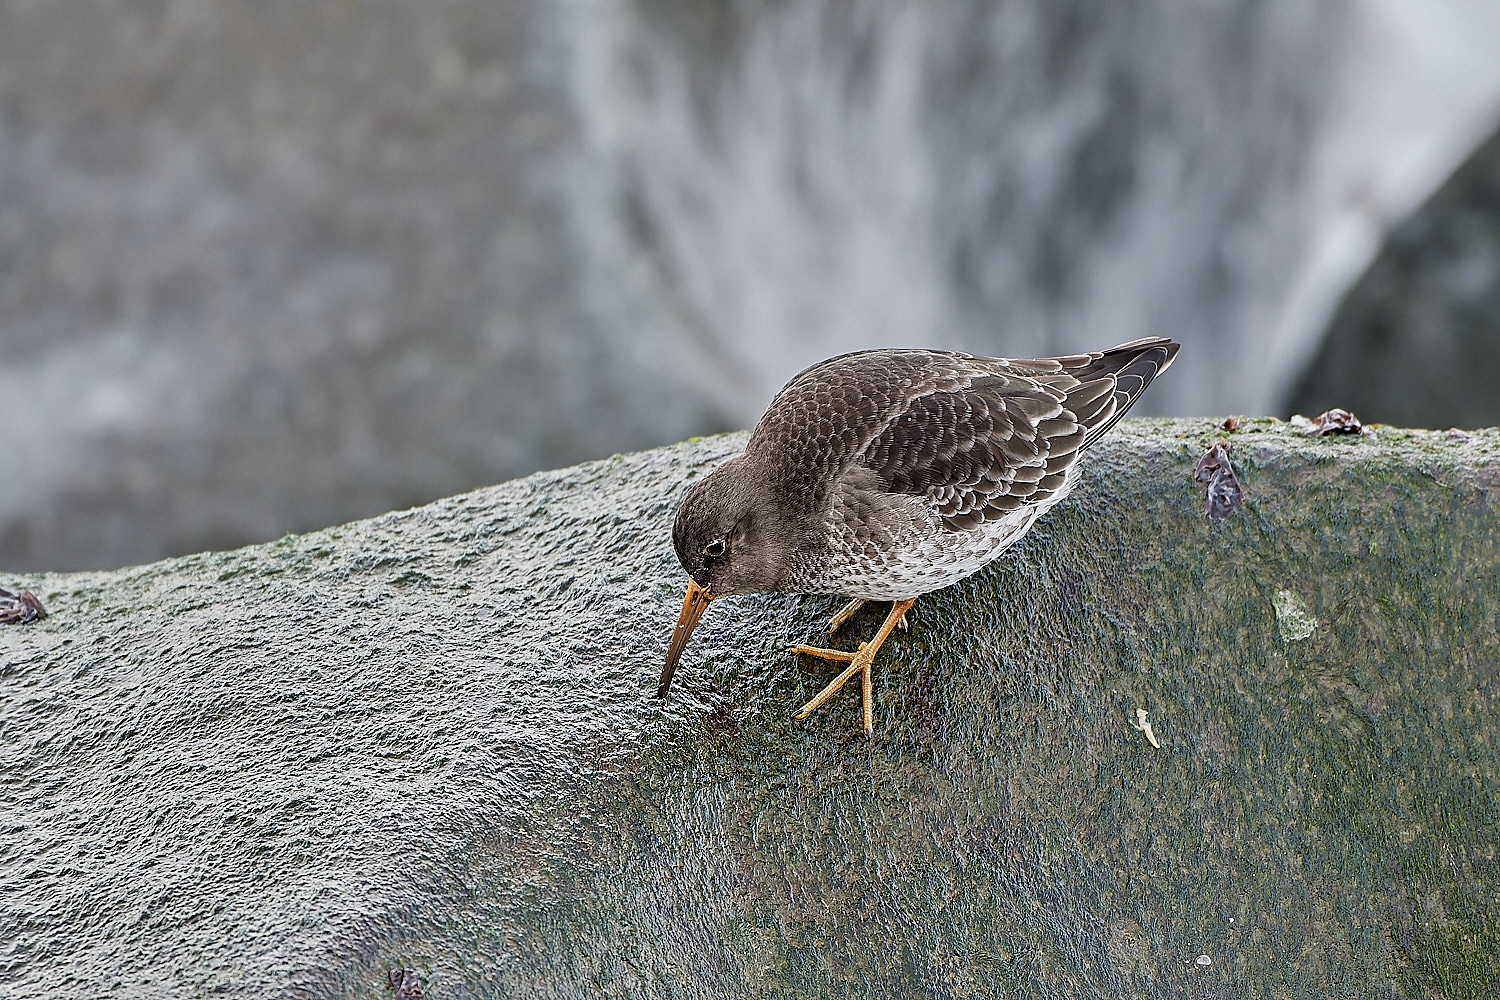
687, 619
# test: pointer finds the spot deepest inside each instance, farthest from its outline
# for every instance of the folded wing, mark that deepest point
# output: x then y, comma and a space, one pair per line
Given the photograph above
1005, 433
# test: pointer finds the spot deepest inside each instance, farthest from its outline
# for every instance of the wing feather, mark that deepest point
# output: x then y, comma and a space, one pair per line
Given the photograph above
1001, 434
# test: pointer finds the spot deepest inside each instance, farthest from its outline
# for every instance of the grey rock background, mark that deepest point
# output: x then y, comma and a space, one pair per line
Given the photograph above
266, 266
1416, 341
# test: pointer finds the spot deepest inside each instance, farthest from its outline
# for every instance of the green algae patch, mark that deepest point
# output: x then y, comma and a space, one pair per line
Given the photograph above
430, 741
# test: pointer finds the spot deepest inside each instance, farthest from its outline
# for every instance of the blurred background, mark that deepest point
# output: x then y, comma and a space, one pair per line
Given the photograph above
268, 265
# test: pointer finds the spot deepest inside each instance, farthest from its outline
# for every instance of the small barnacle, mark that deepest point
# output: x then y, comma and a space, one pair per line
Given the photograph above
1143, 723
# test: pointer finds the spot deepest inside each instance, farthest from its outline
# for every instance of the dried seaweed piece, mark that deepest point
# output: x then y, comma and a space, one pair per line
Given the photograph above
1224, 490
1214, 459
20, 609
1224, 495
1334, 421
406, 984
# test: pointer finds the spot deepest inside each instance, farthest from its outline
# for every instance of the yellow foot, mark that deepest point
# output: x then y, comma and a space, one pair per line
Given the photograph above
859, 662
827, 654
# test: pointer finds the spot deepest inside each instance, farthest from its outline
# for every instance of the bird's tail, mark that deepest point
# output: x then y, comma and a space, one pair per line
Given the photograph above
1111, 381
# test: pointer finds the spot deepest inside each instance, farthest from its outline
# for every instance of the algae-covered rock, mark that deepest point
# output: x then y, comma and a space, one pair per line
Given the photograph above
429, 741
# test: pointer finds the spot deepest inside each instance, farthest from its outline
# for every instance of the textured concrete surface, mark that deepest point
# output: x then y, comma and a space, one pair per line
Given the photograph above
429, 741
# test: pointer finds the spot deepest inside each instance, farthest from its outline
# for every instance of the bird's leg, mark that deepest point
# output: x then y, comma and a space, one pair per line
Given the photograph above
845, 613
859, 662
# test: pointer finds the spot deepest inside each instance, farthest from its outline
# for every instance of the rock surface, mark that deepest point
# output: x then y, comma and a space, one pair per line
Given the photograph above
428, 742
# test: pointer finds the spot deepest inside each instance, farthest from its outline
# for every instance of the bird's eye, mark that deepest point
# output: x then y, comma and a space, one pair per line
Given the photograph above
714, 549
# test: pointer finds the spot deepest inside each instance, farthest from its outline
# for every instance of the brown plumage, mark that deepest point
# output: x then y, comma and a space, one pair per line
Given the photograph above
885, 475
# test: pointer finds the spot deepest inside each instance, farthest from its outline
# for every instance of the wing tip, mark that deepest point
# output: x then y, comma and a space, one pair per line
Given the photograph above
1138, 361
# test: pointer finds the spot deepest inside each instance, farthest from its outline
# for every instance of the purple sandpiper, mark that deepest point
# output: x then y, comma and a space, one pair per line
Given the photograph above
886, 475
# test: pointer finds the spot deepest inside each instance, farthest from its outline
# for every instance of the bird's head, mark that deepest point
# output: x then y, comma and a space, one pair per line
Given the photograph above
731, 539
728, 535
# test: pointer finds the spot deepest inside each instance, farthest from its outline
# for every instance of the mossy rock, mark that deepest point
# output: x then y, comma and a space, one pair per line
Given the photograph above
429, 741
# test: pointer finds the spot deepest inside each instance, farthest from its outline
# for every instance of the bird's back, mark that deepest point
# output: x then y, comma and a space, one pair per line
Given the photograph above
936, 461
926, 418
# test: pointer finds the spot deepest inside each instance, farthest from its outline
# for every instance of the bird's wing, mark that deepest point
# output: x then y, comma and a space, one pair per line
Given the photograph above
995, 435
980, 451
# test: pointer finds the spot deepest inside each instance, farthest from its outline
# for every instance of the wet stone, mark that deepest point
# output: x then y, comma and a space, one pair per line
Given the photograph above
400, 744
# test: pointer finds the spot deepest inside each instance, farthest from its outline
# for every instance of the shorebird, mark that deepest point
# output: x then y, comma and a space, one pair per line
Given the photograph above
886, 475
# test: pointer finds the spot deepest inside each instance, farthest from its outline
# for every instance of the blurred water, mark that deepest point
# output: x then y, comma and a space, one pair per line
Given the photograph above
271, 267
1023, 178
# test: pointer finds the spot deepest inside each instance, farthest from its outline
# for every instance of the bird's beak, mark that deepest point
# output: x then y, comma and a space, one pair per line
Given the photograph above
692, 609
